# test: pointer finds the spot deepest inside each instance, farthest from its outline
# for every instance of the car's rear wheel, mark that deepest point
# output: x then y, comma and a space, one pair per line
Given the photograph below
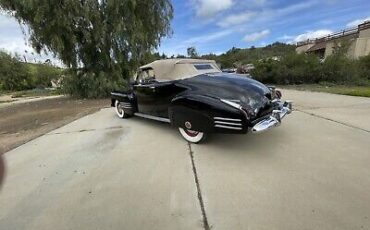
192, 136
119, 110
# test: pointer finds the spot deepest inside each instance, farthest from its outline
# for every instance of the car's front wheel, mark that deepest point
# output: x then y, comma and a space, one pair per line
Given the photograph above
192, 136
119, 110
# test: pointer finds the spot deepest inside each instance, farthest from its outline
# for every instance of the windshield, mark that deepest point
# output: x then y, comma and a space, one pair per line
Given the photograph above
145, 75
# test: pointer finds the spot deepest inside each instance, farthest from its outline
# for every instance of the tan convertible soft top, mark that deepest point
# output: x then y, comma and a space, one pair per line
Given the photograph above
175, 69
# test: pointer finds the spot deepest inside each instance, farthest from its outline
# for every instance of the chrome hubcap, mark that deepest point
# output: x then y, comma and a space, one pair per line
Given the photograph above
119, 107
188, 125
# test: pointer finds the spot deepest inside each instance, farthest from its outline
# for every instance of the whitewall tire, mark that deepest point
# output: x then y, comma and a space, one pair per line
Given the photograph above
194, 137
119, 110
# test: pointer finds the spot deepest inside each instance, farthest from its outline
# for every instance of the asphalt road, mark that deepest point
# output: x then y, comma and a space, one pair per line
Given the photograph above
100, 172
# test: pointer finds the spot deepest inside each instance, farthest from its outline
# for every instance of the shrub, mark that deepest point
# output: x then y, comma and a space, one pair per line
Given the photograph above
291, 69
364, 68
44, 74
301, 68
338, 69
90, 85
13, 74
267, 71
16, 75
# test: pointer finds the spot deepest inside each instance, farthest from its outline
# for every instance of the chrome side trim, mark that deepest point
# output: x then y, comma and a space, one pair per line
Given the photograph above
226, 119
227, 123
228, 127
232, 103
153, 117
118, 94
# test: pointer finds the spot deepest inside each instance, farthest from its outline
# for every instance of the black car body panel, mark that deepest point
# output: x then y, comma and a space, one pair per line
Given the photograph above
154, 98
253, 96
201, 111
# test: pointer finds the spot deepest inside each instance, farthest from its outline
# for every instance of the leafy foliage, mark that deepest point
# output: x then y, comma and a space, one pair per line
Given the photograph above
95, 38
300, 68
192, 52
236, 56
15, 75
90, 85
364, 67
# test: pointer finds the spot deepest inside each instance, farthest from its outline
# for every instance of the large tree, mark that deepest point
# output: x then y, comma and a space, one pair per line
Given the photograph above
94, 36
192, 52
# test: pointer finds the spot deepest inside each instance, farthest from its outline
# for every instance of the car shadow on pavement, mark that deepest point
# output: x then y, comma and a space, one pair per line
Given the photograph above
256, 143
264, 142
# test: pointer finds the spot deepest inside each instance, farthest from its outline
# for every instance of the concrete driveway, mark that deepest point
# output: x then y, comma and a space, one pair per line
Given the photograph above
101, 172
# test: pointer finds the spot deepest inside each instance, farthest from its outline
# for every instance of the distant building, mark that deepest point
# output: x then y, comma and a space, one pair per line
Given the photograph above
358, 42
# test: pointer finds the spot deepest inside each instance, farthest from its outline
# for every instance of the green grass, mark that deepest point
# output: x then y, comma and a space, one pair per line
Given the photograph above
35, 93
4, 92
6, 101
360, 91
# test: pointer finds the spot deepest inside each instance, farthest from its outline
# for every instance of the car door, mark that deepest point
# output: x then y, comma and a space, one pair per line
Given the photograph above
153, 97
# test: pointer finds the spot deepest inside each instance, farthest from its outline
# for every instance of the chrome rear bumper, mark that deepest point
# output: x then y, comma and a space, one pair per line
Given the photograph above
275, 118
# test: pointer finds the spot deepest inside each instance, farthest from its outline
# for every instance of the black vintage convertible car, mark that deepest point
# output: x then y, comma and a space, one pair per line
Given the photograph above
197, 98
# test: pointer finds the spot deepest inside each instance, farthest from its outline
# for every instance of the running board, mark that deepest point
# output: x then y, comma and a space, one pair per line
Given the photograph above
153, 117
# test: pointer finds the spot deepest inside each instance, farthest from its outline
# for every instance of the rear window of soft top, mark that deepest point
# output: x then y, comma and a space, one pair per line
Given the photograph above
203, 66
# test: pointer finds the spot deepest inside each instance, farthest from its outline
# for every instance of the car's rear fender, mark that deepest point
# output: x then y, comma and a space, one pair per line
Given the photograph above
206, 114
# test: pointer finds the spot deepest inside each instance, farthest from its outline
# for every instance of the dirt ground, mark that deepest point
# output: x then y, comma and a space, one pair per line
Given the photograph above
20, 123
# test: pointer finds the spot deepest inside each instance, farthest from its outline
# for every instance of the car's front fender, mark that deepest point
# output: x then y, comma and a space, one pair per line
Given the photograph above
128, 98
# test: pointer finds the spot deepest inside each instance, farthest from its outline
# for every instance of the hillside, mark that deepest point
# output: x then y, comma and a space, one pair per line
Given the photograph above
236, 56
